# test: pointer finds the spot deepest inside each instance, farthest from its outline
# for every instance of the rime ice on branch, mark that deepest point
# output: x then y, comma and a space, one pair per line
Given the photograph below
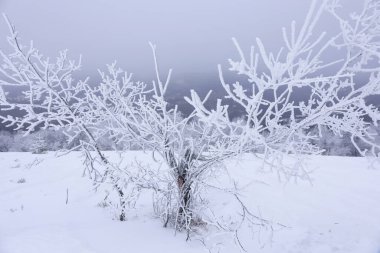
278, 124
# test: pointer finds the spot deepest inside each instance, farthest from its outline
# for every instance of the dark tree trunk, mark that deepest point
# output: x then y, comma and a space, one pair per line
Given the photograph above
184, 187
122, 204
184, 182
181, 169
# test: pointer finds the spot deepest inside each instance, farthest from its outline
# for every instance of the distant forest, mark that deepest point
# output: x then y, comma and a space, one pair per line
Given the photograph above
202, 83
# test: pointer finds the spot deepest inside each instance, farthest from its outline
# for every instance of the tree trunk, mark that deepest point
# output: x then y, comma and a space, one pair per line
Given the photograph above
184, 184
184, 188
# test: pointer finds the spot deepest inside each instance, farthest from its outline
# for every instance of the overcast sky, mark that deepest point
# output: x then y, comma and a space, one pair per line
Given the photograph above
191, 36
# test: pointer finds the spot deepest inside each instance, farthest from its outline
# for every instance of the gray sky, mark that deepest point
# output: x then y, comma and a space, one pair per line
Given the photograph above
191, 36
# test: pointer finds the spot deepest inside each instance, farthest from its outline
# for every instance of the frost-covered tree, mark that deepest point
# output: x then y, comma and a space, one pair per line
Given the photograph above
38, 145
6, 141
279, 124
189, 148
54, 139
125, 111
331, 143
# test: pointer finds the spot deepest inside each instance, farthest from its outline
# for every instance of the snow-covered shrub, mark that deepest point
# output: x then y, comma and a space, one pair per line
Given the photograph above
333, 144
21, 143
38, 145
42, 140
54, 139
6, 141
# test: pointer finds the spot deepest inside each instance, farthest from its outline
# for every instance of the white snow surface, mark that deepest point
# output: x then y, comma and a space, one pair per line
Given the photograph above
338, 211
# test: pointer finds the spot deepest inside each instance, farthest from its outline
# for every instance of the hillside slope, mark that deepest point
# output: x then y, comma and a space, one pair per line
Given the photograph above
339, 211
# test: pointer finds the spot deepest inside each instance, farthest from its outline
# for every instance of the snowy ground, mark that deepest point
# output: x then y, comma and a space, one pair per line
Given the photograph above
338, 212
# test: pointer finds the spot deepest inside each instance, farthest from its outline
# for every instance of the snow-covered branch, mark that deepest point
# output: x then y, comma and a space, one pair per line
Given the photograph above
278, 122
